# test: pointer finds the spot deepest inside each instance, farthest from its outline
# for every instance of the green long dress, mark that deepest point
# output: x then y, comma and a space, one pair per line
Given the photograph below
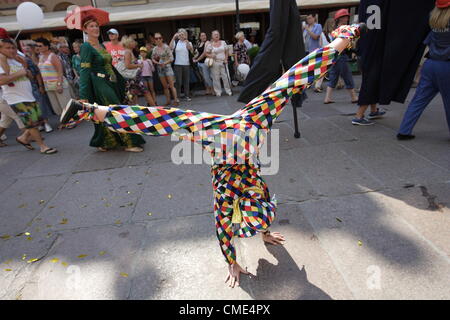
101, 83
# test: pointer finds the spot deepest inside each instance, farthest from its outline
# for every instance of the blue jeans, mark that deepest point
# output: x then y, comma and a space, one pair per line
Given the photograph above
43, 102
435, 78
341, 68
206, 74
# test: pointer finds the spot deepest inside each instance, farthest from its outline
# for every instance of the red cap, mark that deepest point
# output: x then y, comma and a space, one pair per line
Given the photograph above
442, 3
342, 13
3, 34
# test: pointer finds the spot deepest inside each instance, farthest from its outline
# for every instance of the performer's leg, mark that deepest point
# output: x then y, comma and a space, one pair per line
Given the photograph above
425, 92
443, 81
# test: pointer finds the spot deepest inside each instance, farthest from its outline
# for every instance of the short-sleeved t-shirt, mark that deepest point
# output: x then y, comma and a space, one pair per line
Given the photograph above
117, 52
22, 90
310, 43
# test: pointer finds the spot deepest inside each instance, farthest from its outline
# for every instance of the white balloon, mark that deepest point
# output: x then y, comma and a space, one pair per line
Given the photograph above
29, 15
243, 69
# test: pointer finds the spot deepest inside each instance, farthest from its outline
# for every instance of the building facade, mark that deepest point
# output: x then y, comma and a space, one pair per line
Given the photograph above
144, 17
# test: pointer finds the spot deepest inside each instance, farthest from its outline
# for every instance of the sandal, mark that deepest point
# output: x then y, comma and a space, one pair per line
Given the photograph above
102, 149
49, 151
2, 144
328, 102
26, 145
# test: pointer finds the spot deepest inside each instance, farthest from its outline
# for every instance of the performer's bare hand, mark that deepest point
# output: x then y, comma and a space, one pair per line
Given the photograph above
274, 238
234, 271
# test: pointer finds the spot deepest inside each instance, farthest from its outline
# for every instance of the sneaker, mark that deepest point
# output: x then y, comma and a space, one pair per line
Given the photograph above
188, 99
3, 137
362, 122
48, 128
377, 114
405, 136
41, 128
71, 109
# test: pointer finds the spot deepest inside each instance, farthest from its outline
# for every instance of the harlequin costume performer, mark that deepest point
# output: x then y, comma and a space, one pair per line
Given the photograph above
242, 203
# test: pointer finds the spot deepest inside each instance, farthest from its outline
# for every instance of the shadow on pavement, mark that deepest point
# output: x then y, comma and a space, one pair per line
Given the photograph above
284, 281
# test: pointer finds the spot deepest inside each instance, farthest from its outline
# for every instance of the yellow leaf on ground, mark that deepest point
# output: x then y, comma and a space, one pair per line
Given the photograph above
41, 201
29, 238
23, 205
8, 269
169, 196
24, 257
359, 243
149, 214
64, 221
118, 222
81, 256
5, 237
32, 260
102, 253
64, 264
27, 233
123, 274
54, 260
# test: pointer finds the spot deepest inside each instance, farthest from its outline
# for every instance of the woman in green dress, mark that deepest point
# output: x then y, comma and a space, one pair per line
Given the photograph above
101, 83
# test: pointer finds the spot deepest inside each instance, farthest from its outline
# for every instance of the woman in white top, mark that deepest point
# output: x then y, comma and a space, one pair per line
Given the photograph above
182, 48
217, 50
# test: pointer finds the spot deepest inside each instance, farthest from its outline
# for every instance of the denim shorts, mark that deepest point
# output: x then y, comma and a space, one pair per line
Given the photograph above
147, 78
165, 71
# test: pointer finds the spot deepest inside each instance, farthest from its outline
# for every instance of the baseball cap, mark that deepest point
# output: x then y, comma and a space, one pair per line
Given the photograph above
3, 34
114, 31
442, 3
143, 49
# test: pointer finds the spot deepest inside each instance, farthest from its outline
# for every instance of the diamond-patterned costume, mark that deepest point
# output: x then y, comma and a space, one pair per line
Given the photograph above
241, 196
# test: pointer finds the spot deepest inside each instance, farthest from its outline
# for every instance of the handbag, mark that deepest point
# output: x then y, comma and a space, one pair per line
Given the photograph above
209, 62
53, 85
126, 73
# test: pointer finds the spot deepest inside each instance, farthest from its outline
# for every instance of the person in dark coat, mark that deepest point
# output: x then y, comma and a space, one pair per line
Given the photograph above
390, 55
283, 42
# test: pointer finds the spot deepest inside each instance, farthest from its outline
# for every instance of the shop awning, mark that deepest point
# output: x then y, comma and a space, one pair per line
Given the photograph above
163, 10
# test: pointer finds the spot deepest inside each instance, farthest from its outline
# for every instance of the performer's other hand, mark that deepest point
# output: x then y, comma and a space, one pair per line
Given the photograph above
234, 271
274, 238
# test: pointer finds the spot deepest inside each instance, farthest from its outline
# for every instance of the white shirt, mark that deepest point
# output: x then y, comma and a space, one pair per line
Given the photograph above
182, 54
248, 44
22, 90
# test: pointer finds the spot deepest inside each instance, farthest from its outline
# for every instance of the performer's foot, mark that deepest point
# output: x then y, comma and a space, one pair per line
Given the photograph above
71, 109
351, 32
274, 238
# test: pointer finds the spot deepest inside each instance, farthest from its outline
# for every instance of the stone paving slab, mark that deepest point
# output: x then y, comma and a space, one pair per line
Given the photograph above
379, 255
333, 172
94, 198
175, 191
25, 200
94, 263
393, 164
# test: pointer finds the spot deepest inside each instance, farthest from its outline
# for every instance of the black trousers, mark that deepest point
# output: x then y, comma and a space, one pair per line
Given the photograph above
283, 46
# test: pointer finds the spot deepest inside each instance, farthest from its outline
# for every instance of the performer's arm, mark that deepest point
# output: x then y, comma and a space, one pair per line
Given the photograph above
85, 82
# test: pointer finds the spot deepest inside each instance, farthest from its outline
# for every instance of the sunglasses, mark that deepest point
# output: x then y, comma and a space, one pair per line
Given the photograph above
158, 38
